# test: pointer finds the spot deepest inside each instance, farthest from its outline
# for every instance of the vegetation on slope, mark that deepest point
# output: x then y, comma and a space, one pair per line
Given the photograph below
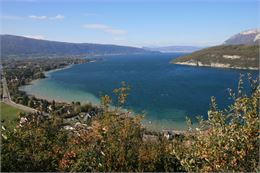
231, 139
114, 141
248, 56
19, 47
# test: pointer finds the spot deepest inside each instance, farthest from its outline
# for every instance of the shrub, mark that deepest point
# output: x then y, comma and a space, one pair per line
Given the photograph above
111, 141
37, 144
229, 139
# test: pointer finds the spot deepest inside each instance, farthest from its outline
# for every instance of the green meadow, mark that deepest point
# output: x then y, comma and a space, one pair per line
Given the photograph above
9, 114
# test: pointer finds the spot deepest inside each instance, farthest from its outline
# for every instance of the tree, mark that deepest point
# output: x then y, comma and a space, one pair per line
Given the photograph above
31, 103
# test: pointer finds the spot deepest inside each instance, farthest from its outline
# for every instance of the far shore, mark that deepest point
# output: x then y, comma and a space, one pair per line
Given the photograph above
46, 73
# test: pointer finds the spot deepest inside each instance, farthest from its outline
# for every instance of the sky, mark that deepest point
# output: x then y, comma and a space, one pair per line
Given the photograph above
130, 22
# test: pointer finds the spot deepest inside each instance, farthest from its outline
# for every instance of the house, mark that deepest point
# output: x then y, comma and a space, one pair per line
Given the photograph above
50, 107
22, 121
85, 116
171, 133
168, 134
92, 113
69, 128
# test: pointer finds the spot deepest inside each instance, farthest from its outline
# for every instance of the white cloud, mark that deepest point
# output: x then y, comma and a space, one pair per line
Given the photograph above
58, 17
105, 28
38, 17
39, 37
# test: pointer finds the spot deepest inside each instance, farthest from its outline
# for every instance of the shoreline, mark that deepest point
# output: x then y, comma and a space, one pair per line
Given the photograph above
215, 66
49, 99
147, 123
47, 75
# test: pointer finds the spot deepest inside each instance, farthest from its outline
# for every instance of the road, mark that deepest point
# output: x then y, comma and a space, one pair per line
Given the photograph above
7, 99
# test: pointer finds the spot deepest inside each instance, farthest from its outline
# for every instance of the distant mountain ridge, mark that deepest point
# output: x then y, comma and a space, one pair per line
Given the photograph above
18, 46
168, 49
248, 37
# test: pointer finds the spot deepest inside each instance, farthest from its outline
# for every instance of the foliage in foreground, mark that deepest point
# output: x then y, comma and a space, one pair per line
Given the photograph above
228, 140
114, 141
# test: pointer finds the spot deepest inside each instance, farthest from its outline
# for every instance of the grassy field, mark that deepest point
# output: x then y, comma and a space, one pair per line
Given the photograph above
8, 113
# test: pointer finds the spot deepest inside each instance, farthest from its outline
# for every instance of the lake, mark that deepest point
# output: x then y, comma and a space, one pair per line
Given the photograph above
166, 93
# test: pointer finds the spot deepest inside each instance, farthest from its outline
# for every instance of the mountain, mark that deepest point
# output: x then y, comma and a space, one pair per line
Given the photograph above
241, 51
18, 46
248, 37
169, 49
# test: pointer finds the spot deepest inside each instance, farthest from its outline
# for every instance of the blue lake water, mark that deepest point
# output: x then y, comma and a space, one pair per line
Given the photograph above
167, 93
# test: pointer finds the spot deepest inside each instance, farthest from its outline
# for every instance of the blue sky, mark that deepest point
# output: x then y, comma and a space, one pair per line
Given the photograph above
130, 22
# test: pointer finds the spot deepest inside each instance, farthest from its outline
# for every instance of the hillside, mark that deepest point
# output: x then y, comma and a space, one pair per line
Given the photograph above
232, 56
17, 46
248, 37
